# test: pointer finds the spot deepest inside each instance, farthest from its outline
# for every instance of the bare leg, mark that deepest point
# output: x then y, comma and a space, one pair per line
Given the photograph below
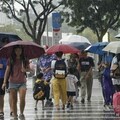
42, 104
36, 102
13, 95
22, 95
10, 104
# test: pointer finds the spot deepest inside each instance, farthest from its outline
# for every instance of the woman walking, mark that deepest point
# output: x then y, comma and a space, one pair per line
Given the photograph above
17, 66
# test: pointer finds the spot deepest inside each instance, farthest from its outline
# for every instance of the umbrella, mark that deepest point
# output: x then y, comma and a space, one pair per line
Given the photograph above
31, 49
117, 36
73, 38
97, 48
79, 45
62, 47
113, 47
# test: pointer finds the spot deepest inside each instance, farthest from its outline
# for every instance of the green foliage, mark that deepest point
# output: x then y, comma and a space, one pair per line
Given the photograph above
32, 15
15, 29
98, 15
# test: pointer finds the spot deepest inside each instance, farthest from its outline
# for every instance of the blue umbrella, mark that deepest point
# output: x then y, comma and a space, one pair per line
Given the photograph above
97, 48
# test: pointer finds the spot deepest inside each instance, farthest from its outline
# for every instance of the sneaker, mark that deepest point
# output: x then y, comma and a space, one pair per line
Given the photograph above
68, 105
106, 108
22, 117
83, 101
1, 115
35, 108
50, 104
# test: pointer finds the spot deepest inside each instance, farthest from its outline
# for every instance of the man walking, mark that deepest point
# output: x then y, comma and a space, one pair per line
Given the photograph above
86, 74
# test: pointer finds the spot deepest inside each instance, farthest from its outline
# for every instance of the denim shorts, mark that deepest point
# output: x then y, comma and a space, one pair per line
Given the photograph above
17, 86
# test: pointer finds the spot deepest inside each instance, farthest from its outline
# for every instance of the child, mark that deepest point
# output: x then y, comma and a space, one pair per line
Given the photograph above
39, 90
71, 90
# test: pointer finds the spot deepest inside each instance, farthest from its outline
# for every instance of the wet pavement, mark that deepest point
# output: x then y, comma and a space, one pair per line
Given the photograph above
89, 111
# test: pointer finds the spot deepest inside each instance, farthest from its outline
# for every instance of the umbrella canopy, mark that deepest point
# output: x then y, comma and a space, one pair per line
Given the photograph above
97, 48
117, 36
79, 45
62, 47
113, 47
73, 38
31, 49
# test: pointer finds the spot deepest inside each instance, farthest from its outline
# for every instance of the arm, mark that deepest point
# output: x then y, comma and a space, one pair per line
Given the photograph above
6, 77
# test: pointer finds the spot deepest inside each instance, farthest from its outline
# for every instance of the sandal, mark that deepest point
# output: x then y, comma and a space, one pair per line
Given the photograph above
1, 115
11, 113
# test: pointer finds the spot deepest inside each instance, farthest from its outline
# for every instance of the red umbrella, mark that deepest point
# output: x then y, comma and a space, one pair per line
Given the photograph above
31, 49
62, 47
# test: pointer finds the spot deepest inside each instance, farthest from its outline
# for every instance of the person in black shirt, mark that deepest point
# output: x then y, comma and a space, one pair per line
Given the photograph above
86, 76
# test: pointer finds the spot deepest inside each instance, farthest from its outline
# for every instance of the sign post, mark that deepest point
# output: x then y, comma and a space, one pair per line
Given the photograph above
56, 24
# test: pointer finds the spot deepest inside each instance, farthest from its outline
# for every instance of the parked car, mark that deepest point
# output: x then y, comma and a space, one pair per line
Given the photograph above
11, 36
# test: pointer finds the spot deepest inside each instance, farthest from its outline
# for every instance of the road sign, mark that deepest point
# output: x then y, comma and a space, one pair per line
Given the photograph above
56, 20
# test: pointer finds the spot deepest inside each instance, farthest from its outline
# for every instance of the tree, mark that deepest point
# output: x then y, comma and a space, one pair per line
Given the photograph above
32, 15
98, 15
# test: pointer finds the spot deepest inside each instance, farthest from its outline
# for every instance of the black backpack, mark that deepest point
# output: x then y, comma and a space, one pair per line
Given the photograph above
39, 90
60, 69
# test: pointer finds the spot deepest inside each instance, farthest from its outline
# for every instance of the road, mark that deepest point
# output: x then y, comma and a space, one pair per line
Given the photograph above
88, 111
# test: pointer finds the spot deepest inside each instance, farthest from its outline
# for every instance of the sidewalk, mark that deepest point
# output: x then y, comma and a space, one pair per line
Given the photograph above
88, 111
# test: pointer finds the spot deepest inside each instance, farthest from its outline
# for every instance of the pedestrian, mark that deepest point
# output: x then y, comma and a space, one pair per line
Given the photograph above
3, 62
73, 63
116, 81
107, 87
17, 66
44, 64
86, 76
71, 87
39, 87
59, 88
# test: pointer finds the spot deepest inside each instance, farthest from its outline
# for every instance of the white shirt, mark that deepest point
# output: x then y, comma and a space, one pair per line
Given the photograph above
71, 80
115, 81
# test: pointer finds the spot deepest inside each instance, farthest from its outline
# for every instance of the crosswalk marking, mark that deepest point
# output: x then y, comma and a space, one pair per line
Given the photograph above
89, 111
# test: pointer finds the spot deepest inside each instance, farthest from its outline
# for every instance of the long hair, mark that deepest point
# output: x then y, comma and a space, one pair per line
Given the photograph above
13, 58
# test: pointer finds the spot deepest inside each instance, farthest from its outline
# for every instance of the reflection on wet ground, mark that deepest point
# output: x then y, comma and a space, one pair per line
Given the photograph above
89, 111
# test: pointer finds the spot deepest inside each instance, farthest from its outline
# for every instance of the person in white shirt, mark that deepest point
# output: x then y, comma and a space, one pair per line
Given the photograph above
71, 90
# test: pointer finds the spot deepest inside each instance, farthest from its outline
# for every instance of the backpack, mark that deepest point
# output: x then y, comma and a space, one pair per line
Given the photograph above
60, 69
39, 90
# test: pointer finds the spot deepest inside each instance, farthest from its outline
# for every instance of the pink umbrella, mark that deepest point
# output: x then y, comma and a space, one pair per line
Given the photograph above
62, 47
31, 49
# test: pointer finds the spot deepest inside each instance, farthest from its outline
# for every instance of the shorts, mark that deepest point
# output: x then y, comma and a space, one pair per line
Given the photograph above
2, 92
17, 86
71, 93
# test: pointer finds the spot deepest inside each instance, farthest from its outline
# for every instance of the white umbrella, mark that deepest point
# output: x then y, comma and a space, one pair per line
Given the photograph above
113, 47
117, 36
74, 38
